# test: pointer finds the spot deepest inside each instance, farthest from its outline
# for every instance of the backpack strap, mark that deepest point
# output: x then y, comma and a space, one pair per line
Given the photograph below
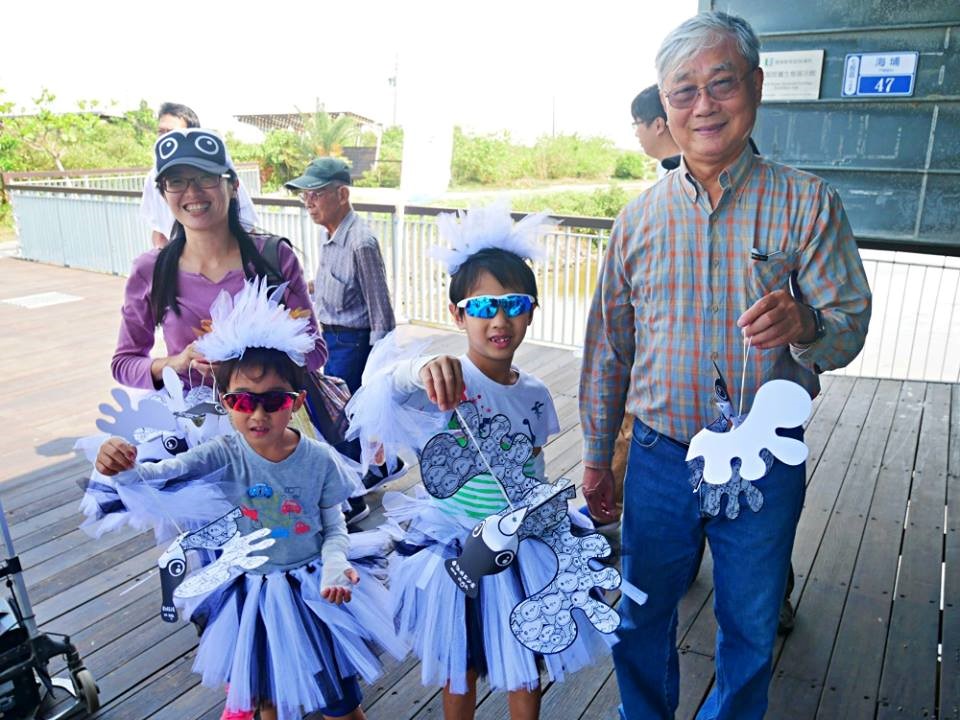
271, 254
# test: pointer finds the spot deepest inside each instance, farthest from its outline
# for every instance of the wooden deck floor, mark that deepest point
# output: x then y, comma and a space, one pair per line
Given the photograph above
877, 555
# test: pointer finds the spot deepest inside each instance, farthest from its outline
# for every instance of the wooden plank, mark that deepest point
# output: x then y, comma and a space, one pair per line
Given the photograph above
434, 707
806, 655
851, 685
696, 681
113, 628
908, 683
404, 699
39, 482
605, 702
43, 535
568, 700
393, 670
949, 698
135, 651
53, 495
87, 612
136, 567
823, 486
828, 412
192, 704
153, 693
61, 553
91, 567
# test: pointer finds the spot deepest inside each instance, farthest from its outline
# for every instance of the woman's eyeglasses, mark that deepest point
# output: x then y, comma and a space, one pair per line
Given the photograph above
486, 306
271, 402
722, 89
179, 184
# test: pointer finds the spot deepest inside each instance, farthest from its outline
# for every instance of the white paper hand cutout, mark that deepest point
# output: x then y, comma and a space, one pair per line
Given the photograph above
778, 404
233, 562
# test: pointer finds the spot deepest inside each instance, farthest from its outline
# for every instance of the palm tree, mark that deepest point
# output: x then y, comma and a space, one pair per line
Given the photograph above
323, 135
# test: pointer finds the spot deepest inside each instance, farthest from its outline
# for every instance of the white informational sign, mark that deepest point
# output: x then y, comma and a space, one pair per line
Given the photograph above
879, 74
791, 74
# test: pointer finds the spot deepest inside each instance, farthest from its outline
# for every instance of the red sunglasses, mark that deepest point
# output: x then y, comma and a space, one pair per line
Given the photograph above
246, 402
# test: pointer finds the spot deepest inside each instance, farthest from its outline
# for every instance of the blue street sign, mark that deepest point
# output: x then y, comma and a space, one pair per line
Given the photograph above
879, 74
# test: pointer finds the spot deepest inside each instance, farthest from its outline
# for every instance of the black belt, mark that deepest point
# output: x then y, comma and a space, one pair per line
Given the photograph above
343, 328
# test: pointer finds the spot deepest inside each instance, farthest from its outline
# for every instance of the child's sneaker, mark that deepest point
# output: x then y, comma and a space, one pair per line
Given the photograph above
357, 511
379, 474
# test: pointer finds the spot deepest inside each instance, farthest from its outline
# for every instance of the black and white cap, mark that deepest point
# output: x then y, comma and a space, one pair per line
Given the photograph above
195, 147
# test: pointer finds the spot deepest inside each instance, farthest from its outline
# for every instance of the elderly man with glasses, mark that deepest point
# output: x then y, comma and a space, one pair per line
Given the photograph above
730, 251
350, 292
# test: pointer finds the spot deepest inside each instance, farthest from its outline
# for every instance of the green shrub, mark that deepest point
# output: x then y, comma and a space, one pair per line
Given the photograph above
634, 166
602, 202
283, 157
571, 156
387, 171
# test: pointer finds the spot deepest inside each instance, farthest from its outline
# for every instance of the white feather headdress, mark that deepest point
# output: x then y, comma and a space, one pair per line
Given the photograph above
255, 318
490, 226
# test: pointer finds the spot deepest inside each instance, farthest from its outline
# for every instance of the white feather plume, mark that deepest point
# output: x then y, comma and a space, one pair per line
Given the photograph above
255, 318
490, 226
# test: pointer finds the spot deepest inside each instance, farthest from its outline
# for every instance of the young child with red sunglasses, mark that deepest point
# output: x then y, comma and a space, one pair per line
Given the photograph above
292, 624
409, 400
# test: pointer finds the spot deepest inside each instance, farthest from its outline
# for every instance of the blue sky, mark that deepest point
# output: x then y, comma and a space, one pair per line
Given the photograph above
527, 66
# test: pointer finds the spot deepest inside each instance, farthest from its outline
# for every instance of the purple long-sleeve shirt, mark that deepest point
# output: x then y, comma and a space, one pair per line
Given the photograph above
131, 360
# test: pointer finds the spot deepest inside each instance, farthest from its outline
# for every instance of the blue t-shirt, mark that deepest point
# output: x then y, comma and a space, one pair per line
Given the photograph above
284, 496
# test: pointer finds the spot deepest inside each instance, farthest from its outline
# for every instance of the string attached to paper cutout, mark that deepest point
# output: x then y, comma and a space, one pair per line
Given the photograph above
476, 445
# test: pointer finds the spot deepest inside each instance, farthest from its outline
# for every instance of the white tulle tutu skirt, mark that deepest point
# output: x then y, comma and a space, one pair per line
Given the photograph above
449, 632
275, 640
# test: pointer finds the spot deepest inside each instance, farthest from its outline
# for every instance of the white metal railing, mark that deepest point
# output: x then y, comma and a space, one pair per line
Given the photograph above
130, 180
914, 331
915, 327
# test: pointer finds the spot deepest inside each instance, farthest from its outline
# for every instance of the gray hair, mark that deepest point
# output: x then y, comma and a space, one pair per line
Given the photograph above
706, 30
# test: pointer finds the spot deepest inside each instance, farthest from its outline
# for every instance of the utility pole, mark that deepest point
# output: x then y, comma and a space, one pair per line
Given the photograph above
392, 82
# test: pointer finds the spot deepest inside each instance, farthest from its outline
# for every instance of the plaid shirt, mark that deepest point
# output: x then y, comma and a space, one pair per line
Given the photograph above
350, 288
677, 276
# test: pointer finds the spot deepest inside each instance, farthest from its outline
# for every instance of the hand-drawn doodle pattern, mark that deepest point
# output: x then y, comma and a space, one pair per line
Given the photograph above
711, 495
543, 621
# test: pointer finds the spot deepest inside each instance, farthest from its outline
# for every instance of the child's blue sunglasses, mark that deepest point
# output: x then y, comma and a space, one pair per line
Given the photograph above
486, 306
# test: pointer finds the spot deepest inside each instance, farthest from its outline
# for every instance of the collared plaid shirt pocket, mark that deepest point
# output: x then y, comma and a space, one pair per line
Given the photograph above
771, 274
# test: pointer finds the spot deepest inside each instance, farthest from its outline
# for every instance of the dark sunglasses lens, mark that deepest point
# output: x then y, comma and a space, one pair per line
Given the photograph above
246, 402
241, 402
273, 401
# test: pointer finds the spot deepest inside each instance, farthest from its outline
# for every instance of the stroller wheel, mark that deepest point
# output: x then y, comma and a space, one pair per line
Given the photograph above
87, 689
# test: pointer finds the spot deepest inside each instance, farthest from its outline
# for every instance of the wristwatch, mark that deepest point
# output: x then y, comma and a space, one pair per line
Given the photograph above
821, 328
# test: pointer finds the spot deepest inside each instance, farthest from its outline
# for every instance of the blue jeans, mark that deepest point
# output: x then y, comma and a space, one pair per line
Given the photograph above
347, 352
661, 532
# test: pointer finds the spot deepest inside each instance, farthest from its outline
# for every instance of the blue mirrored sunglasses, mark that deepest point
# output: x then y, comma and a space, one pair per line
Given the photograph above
486, 306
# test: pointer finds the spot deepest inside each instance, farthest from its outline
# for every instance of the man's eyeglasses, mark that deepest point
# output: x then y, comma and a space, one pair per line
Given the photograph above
721, 89
486, 306
310, 196
179, 184
271, 402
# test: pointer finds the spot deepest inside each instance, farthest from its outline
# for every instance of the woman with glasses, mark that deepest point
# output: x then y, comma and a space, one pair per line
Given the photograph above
210, 250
